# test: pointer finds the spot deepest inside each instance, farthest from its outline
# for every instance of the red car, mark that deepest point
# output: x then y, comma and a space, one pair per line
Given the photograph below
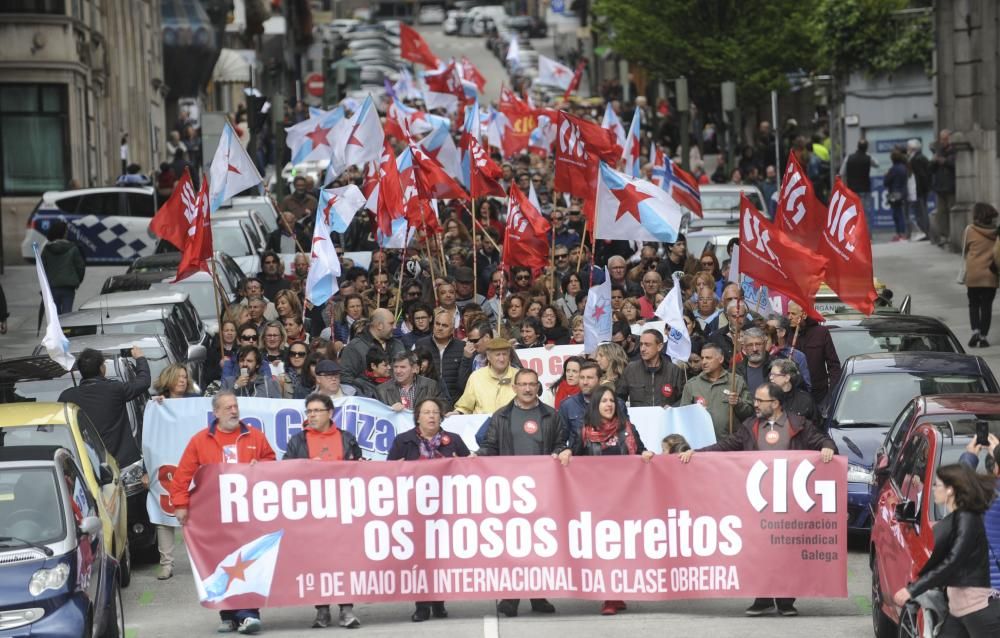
932, 431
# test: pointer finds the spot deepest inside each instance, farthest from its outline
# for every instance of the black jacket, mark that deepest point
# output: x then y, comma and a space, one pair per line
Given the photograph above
406, 447
424, 388
858, 172
960, 557
801, 403
804, 436
273, 286
500, 442
824, 365
303, 242
447, 365
352, 357
298, 448
103, 401
643, 387
920, 166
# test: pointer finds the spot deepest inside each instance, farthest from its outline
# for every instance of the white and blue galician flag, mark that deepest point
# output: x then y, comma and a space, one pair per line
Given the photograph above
55, 342
232, 170
335, 211
634, 209
248, 570
440, 145
597, 315
314, 138
671, 310
400, 237
365, 141
612, 123
631, 153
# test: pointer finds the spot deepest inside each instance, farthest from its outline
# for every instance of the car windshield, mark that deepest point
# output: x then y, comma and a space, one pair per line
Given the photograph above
851, 342
730, 201
230, 240
876, 399
30, 507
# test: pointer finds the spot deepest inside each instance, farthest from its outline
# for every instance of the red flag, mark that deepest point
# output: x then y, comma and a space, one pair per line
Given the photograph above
432, 181
414, 48
579, 144
525, 241
472, 74
575, 82
800, 214
847, 245
197, 249
522, 119
174, 219
483, 171
381, 188
448, 80
773, 259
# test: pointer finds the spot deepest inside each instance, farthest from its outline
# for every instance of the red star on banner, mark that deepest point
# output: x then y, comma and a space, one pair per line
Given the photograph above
634, 151
318, 136
559, 71
599, 312
237, 571
328, 208
354, 140
628, 201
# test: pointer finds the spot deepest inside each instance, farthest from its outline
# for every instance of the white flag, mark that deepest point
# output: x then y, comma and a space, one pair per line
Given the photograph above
232, 169
552, 73
324, 266
671, 310
55, 342
514, 51
597, 315
365, 141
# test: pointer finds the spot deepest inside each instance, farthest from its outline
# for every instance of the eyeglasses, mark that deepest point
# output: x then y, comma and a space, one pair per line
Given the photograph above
317, 411
297, 353
248, 337
523, 277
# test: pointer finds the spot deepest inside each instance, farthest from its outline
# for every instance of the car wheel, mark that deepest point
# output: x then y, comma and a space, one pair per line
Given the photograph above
125, 567
881, 624
114, 620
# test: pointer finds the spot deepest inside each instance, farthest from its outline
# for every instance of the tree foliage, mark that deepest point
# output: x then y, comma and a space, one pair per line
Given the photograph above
752, 42
873, 36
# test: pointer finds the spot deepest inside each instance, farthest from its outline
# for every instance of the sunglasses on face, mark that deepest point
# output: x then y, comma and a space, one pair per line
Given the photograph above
297, 353
248, 337
523, 277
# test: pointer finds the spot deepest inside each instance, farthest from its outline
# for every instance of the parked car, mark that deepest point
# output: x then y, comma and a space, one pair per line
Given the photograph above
527, 26
225, 267
208, 297
430, 14
857, 334
452, 22
720, 204
111, 224
829, 304
343, 25
872, 391
902, 535
265, 208
56, 577
64, 425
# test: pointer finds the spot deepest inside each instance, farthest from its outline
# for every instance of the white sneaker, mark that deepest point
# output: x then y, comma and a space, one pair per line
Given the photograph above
348, 619
249, 626
919, 237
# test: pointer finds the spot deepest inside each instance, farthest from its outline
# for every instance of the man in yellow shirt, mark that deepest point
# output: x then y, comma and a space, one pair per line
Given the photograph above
492, 387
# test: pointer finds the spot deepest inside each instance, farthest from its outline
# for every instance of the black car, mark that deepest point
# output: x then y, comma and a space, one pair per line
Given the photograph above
528, 26
56, 578
167, 263
855, 334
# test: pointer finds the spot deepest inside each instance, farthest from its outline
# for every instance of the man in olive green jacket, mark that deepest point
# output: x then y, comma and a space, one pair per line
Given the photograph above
710, 389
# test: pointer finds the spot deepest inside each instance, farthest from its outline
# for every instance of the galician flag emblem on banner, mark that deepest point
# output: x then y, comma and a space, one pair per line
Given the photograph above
247, 570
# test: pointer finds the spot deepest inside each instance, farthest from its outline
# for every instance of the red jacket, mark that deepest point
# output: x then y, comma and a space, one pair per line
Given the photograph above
204, 449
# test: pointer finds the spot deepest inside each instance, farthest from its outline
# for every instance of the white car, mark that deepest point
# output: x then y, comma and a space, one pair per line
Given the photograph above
430, 14
720, 204
343, 25
452, 22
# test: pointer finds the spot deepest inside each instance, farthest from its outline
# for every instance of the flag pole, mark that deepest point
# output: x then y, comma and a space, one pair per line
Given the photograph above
487, 236
732, 366
444, 261
583, 238
430, 262
402, 265
475, 267
552, 259
218, 302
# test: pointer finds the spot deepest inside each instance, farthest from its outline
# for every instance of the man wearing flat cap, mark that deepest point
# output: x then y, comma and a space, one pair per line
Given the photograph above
491, 387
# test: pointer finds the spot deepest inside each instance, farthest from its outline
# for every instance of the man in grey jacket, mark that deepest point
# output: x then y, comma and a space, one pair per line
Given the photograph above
407, 388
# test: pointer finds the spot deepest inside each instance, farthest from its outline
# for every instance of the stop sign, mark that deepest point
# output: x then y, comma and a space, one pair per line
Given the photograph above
314, 84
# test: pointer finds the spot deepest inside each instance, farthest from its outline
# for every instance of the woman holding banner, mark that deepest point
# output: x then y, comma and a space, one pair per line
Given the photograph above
426, 442
605, 432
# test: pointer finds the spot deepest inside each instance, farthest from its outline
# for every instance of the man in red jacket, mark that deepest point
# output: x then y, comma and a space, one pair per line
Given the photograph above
226, 440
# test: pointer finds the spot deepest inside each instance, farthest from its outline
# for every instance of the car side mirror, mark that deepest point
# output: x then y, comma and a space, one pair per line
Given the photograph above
881, 465
106, 475
90, 525
906, 512
197, 353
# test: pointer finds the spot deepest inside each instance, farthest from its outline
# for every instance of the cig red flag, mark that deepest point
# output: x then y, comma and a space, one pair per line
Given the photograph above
774, 260
414, 48
579, 146
800, 214
174, 221
525, 241
432, 181
483, 171
846, 244
521, 120
197, 250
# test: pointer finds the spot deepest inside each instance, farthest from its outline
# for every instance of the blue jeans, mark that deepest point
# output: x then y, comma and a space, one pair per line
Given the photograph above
239, 615
868, 202
899, 218
63, 296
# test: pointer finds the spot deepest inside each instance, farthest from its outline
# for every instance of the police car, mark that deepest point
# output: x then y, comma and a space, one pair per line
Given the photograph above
111, 225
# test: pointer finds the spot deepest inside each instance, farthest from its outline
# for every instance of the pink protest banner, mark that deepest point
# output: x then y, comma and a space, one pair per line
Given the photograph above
726, 525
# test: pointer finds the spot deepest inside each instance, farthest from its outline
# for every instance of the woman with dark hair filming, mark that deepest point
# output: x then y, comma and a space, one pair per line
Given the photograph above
960, 561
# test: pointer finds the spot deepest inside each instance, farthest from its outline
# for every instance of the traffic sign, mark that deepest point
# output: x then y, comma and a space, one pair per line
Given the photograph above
314, 84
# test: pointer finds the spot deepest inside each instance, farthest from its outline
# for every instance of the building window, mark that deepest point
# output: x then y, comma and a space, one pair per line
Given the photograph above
50, 7
34, 140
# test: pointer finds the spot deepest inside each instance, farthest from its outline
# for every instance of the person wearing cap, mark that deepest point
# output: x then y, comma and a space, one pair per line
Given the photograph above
328, 381
464, 287
406, 388
489, 388
321, 440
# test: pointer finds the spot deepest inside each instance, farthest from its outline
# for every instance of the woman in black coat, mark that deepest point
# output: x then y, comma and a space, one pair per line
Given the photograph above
425, 442
961, 555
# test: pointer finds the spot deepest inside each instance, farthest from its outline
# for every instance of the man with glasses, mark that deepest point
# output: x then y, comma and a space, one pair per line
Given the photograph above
618, 269
272, 276
772, 429
561, 258
407, 388
563, 235
419, 320
328, 381
322, 440
449, 352
253, 288
526, 427
621, 333
520, 279
785, 374
783, 328
651, 286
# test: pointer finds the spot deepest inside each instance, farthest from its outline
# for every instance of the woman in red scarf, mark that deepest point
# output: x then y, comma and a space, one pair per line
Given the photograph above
568, 383
426, 442
606, 432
